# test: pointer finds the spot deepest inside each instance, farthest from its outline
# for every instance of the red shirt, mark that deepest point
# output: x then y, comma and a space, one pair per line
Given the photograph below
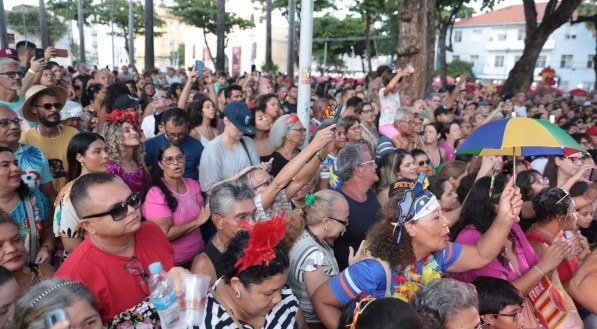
104, 274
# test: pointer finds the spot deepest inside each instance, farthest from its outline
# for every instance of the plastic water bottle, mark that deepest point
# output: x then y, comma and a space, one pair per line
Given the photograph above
163, 297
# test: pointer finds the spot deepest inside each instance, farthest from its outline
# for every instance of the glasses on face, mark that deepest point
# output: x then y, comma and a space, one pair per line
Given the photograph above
367, 162
516, 316
5, 123
301, 130
409, 122
119, 211
541, 180
577, 160
246, 217
343, 222
135, 268
422, 163
367, 111
48, 106
175, 135
266, 182
180, 158
355, 128
13, 74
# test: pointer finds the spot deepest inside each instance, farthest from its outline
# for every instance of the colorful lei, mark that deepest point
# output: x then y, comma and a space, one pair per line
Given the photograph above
414, 276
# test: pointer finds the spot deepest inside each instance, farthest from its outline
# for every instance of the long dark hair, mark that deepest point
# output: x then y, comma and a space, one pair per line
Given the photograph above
23, 189
114, 91
195, 113
78, 145
479, 209
158, 179
524, 181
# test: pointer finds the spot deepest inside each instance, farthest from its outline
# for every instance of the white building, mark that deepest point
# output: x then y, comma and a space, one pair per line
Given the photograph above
494, 41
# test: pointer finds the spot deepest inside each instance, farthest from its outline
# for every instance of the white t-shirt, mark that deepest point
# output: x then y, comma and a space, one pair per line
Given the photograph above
521, 111
389, 105
148, 126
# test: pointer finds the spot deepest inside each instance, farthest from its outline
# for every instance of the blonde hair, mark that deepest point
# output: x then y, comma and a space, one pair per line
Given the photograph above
323, 206
453, 169
112, 132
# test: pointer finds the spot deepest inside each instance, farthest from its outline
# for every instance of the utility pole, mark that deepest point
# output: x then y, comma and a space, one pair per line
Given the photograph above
81, 23
112, 29
43, 25
268, 35
220, 28
291, 14
304, 75
131, 36
149, 55
3, 31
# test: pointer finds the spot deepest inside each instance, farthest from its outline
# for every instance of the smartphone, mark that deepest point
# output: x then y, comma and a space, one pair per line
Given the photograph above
39, 53
61, 52
55, 316
593, 176
199, 67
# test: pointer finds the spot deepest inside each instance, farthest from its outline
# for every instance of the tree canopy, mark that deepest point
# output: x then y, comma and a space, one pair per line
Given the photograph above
30, 24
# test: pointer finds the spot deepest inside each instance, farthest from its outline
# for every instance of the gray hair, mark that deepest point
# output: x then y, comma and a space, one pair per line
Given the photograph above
323, 206
442, 299
349, 158
226, 194
279, 130
7, 61
401, 114
48, 295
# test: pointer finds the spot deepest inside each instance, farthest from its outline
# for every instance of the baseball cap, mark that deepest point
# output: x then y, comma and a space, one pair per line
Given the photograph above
126, 102
72, 110
10, 53
440, 110
240, 116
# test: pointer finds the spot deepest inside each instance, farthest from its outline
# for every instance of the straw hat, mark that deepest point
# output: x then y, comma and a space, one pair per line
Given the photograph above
32, 92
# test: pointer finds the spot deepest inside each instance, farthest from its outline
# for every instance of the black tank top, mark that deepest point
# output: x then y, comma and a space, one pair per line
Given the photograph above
214, 256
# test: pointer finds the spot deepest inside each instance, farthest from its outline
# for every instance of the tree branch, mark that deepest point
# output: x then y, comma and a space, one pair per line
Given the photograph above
583, 19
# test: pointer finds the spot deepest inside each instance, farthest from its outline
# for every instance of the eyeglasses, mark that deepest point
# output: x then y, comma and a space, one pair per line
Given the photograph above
6, 122
343, 222
48, 106
175, 135
541, 180
422, 163
266, 182
367, 111
303, 130
410, 122
577, 160
13, 74
367, 162
180, 158
135, 268
119, 211
355, 128
516, 316
246, 217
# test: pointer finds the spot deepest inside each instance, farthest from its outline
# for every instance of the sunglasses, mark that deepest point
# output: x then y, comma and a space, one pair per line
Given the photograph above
48, 106
135, 268
13, 74
7, 122
119, 211
343, 222
266, 182
426, 162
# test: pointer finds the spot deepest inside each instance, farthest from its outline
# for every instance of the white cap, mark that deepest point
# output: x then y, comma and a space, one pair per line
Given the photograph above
72, 110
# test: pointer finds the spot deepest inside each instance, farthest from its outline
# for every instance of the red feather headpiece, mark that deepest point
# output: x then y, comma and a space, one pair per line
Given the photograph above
120, 116
263, 238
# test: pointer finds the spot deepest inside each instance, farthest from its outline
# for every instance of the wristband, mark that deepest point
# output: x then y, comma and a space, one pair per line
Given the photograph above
30, 70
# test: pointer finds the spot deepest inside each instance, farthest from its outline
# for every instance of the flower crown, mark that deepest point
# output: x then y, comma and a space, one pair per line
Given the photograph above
121, 116
263, 239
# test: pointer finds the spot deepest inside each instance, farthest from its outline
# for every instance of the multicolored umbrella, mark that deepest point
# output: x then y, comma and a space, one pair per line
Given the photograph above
520, 137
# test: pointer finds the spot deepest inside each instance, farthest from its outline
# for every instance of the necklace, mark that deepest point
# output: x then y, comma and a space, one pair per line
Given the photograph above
414, 276
222, 247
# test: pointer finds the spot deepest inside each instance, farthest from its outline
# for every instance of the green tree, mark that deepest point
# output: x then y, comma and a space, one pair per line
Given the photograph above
67, 9
456, 68
56, 27
556, 14
202, 14
371, 11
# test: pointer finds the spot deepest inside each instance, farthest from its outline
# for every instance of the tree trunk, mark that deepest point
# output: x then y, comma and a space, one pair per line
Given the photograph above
43, 25
441, 54
521, 75
211, 57
81, 24
268, 36
221, 35
368, 44
149, 54
416, 41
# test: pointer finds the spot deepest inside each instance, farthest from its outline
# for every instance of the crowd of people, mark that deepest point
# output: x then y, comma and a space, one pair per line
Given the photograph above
363, 217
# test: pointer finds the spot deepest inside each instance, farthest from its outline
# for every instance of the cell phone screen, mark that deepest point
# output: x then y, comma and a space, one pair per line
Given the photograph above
199, 67
39, 53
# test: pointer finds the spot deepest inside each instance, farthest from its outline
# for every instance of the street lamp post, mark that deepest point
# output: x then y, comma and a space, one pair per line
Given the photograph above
305, 53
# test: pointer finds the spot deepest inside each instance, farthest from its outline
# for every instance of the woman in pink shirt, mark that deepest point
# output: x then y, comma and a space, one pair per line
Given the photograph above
175, 204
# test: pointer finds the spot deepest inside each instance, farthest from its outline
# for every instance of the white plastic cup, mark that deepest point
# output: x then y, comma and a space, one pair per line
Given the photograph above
195, 296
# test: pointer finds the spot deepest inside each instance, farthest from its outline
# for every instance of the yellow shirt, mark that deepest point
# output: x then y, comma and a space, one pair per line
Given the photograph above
55, 150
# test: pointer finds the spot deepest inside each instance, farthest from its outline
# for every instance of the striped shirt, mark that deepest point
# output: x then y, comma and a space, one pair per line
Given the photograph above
280, 205
281, 316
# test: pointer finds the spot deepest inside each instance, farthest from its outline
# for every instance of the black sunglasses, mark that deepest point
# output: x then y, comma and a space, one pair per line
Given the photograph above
48, 106
119, 211
135, 268
12, 74
343, 222
420, 163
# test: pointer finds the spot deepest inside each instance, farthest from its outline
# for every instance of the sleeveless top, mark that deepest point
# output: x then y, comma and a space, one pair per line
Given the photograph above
214, 256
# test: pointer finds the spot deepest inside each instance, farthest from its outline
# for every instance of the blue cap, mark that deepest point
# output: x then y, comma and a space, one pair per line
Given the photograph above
240, 116
155, 268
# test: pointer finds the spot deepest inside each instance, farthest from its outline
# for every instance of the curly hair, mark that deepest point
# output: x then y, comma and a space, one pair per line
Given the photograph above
551, 203
112, 132
381, 237
195, 114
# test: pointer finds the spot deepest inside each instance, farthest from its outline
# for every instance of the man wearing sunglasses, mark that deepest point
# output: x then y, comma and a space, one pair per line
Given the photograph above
42, 105
113, 260
10, 83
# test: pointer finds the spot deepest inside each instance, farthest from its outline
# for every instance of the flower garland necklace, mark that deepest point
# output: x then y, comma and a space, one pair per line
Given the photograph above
414, 276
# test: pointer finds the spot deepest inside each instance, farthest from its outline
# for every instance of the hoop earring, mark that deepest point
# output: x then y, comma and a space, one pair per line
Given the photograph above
237, 294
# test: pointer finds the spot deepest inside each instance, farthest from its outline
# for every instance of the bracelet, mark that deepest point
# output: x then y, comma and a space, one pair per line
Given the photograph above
538, 270
30, 70
318, 155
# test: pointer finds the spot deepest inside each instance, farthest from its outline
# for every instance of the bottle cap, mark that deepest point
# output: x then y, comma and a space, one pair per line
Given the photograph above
155, 268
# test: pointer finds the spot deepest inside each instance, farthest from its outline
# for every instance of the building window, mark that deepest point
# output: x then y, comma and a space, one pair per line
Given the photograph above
499, 61
502, 36
570, 33
589, 61
457, 36
474, 58
476, 35
520, 35
455, 57
541, 61
566, 62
